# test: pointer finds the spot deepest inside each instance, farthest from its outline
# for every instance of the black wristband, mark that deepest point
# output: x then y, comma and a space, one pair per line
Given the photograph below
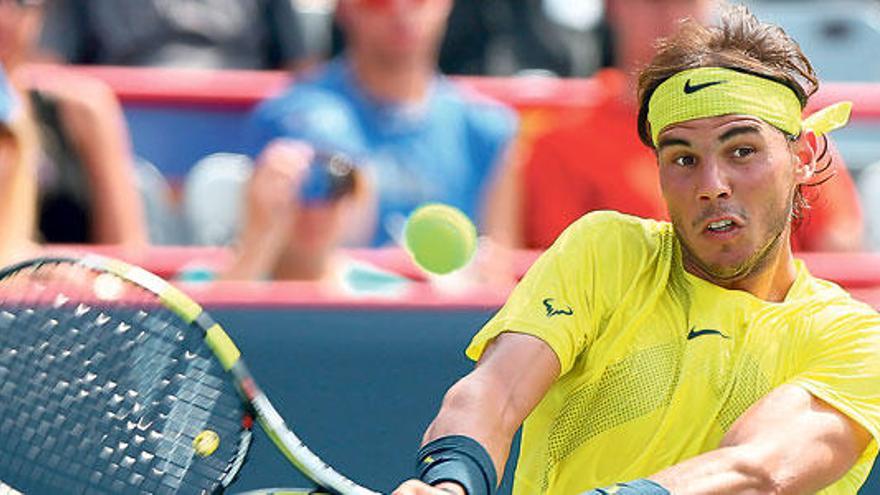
636, 487
459, 459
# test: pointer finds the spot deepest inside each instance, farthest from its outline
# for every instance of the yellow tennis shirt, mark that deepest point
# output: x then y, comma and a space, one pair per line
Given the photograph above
657, 364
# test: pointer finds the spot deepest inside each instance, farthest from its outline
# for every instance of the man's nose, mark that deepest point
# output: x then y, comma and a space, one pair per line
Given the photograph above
713, 181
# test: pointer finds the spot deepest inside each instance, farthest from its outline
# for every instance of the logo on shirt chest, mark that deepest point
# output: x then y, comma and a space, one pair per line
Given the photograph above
554, 311
694, 333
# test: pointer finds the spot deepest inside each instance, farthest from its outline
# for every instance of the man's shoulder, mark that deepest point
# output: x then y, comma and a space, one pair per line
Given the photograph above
611, 221
611, 233
831, 304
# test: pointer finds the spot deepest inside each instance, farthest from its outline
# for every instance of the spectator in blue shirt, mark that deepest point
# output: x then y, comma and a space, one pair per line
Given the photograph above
414, 136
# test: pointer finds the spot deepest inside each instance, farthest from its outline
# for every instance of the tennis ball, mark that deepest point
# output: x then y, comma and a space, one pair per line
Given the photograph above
206, 442
440, 238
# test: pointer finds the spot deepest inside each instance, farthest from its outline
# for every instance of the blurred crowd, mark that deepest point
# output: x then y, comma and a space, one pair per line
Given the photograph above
368, 130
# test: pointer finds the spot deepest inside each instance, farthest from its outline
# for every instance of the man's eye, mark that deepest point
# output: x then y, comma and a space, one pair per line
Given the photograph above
743, 152
685, 161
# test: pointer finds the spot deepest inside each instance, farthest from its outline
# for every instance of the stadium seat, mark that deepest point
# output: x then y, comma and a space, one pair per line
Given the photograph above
163, 223
212, 197
869, 190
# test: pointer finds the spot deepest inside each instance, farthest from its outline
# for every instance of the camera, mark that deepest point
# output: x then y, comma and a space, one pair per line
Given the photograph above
331, 176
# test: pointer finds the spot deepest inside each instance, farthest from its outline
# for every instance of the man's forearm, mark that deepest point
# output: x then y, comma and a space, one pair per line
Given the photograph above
725, 470
471, 408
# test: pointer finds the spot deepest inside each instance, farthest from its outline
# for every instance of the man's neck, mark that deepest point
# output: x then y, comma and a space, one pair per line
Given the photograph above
392, 83
773, 282
770, 279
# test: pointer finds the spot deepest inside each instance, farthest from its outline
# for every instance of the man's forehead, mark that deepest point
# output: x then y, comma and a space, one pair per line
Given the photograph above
716, 125
712, 130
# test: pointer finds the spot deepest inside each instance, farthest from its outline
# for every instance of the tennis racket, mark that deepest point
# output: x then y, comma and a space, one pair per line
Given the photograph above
114, 381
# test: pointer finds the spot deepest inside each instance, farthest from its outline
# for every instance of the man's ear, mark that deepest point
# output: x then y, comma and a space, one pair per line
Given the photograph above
805, 155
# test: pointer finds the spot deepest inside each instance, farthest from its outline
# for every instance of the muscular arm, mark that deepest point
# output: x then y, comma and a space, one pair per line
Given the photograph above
789, 442
491, 402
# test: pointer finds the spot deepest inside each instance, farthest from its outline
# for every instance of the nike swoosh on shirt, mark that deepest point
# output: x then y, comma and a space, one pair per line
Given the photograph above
705, 331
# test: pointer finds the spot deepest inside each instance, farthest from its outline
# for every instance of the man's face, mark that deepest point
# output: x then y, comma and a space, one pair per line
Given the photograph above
395, 30
20, 26
729, 183
638, 24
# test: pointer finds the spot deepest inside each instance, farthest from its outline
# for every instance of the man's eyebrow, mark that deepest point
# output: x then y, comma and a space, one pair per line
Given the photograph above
666, 142
739, 130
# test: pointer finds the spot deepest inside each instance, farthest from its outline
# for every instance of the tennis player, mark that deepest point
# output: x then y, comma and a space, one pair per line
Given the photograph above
691, 357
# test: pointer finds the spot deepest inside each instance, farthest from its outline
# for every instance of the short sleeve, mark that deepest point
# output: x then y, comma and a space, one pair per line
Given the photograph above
564, 296
843, 366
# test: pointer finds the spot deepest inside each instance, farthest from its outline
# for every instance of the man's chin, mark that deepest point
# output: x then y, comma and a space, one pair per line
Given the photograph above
727, 272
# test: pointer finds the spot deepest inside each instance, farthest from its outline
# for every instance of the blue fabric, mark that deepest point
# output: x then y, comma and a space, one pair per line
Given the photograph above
8, 100
444, 149
459, 459
636, 487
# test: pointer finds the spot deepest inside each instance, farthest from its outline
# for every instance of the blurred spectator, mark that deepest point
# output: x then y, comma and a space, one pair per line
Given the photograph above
17, 177
222, 34
506, 37
509, 37
415, 137
87, 192
869, 187
598, 162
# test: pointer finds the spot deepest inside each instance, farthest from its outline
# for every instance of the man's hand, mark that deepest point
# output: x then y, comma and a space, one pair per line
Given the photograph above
416, 487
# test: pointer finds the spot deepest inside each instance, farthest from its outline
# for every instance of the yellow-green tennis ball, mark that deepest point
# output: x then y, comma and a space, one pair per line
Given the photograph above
206, 442
440, 238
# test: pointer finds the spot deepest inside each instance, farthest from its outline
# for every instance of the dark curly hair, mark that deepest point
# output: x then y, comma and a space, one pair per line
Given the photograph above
740, 41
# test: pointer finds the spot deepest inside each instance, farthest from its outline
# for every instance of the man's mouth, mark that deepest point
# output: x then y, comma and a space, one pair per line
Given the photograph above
721, 226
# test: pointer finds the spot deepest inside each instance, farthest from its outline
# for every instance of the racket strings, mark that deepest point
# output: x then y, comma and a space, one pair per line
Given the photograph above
106, 396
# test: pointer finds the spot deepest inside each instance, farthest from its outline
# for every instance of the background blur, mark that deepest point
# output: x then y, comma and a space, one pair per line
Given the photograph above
361, 375
177, 119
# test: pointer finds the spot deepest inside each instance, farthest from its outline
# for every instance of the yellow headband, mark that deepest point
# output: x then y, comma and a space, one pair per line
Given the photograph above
714, 91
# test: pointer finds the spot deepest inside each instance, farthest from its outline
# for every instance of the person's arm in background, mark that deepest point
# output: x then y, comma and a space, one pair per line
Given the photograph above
490, 403
92, 116
268, 206
502, 222
18, 191
499, 139
502, 219
834, 220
